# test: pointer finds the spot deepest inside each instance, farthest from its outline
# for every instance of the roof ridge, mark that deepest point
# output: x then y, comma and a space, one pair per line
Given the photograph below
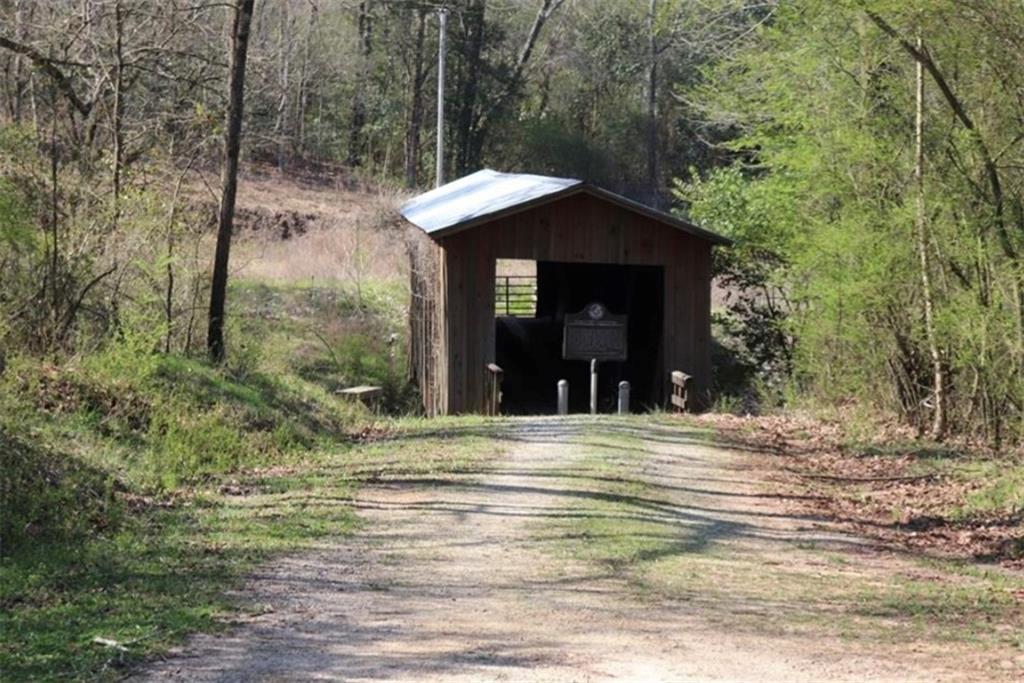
488, 194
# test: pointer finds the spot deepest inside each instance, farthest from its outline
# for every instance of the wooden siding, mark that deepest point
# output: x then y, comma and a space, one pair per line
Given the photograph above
579, 228
427, 334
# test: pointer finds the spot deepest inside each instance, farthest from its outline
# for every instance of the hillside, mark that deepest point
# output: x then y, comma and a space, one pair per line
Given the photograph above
122, 462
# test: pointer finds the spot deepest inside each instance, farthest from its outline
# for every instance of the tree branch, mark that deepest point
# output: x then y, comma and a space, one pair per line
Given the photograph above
544, 12
72, 312
50, 68
923, 57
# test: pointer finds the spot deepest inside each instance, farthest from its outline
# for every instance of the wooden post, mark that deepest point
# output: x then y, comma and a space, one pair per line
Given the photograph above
492, 388
680, 391
593, 387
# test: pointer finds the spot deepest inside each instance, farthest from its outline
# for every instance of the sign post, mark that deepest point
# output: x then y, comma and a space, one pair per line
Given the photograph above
594, 335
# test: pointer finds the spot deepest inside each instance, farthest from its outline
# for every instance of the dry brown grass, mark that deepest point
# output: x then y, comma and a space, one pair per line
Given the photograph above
507, 267
274, 192
326, 254
345, 236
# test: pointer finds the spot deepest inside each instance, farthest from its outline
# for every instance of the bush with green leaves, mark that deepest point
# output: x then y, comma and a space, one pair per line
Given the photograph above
754, 330
822, 200
49, 497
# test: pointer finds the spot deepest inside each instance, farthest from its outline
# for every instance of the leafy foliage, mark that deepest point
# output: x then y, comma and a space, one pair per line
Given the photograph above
757, 307
821, 192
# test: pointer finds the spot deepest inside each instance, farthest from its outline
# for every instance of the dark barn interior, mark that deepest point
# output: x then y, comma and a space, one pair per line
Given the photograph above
529, 350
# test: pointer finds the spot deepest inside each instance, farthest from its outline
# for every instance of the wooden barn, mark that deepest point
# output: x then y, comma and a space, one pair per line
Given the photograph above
582, 249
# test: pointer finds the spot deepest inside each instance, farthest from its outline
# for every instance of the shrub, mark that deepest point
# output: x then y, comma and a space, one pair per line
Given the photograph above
50, 496
187, 443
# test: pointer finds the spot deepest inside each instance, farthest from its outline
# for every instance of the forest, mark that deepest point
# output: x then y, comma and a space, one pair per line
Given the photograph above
879, 229
163, 332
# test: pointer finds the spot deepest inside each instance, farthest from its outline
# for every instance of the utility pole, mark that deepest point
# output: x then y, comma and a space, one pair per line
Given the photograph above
442, 18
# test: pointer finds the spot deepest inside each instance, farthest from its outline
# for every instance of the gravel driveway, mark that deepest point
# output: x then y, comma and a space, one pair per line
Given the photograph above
459, 579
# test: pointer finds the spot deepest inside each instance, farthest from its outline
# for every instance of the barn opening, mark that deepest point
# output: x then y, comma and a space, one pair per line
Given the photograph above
515, 288
528, 343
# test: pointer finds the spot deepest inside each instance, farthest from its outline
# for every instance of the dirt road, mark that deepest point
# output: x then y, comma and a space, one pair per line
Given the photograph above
488, 576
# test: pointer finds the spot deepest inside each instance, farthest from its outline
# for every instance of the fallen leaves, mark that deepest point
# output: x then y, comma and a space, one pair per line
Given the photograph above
897, 496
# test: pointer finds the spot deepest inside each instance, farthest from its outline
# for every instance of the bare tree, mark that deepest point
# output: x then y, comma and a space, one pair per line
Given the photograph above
241, 19
417, 78
938, 429
472, 123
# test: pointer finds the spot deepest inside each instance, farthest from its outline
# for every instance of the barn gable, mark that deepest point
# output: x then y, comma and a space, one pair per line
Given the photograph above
486, 195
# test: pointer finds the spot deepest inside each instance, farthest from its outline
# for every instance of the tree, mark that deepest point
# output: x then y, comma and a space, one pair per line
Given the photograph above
417, 74
938, 428
904, 277
652, 101
241, 18
356, 143
470, 42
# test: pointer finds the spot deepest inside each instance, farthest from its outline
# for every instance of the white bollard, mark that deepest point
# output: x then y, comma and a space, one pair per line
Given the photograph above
623, 397
563, 397
593, 387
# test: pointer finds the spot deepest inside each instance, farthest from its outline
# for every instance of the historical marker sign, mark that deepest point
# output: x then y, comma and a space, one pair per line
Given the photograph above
594, 334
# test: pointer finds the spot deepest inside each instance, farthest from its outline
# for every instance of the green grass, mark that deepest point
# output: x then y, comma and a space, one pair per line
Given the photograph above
768, 587
170, 420
161, 571
1001, 492
611, 535
137, 487
329, 338
299, 306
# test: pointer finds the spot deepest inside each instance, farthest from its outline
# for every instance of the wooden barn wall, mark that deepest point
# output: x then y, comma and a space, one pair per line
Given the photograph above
580, 228
427, 336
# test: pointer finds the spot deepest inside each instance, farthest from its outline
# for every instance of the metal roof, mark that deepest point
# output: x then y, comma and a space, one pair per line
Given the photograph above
477, 195
487, 194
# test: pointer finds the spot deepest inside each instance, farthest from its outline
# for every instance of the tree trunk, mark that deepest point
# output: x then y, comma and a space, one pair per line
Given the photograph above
938, 428
118, 113
303, 94
472, 49
358, 122
285, 35
921, 54
652, 105
19, 73
412, 135
54, 262
229, 176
